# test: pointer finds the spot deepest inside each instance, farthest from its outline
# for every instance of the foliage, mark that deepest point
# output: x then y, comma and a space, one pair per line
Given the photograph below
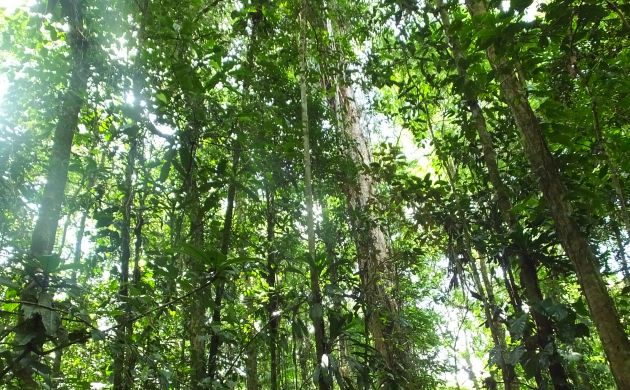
183, 225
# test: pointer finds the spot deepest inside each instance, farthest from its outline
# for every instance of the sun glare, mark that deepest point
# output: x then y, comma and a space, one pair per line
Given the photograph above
10, 6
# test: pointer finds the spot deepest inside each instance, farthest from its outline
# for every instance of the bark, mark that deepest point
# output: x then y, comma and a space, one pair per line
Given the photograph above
611, 331
190, 140
45, 230
316, 307
372, 252
43, 237
527, 262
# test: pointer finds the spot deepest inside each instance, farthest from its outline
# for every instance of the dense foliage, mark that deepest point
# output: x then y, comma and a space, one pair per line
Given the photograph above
305, 194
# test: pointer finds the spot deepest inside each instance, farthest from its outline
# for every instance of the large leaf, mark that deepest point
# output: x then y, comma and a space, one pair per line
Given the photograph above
211, 258
50, 317
49, 263
8, 282
514, 356
517, 326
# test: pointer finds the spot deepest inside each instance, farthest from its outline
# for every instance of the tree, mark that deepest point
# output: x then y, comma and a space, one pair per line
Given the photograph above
312, 195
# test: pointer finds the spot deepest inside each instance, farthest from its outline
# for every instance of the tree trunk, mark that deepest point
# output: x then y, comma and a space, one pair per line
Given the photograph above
215, 340
272, 307
251, 359
190, 138
485, 290
556, 194
197, 320
528, 275
372, 252
122, 377
45, 230
381, 314
316, 307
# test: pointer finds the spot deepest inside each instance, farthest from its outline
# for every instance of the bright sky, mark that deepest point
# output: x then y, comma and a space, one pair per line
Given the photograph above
12, 5
9, 7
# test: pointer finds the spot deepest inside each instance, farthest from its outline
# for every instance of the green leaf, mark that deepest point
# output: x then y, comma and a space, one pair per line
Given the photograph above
316, 312
517, 326
49, 263
103, 219
161, 97
213, 259
23, 338
164, 171
580, 307
97, 335
50, 318
581, 330
529, 361
514, 356
29, 310
8, 282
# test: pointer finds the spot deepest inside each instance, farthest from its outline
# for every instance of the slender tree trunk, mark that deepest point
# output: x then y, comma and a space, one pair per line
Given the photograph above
251, 359
122, 376
485, 291
556, 194
272, 307
78, 250
190, 139
615, 177
76, 260
316, 307
528, 275
621, 253
484, 284
215, 340
479, 273
44, 232
197, 320
66, 225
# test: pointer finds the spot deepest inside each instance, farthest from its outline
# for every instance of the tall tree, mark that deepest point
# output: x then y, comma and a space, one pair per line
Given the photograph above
317, 309
574, 242
31, 326
527, 261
